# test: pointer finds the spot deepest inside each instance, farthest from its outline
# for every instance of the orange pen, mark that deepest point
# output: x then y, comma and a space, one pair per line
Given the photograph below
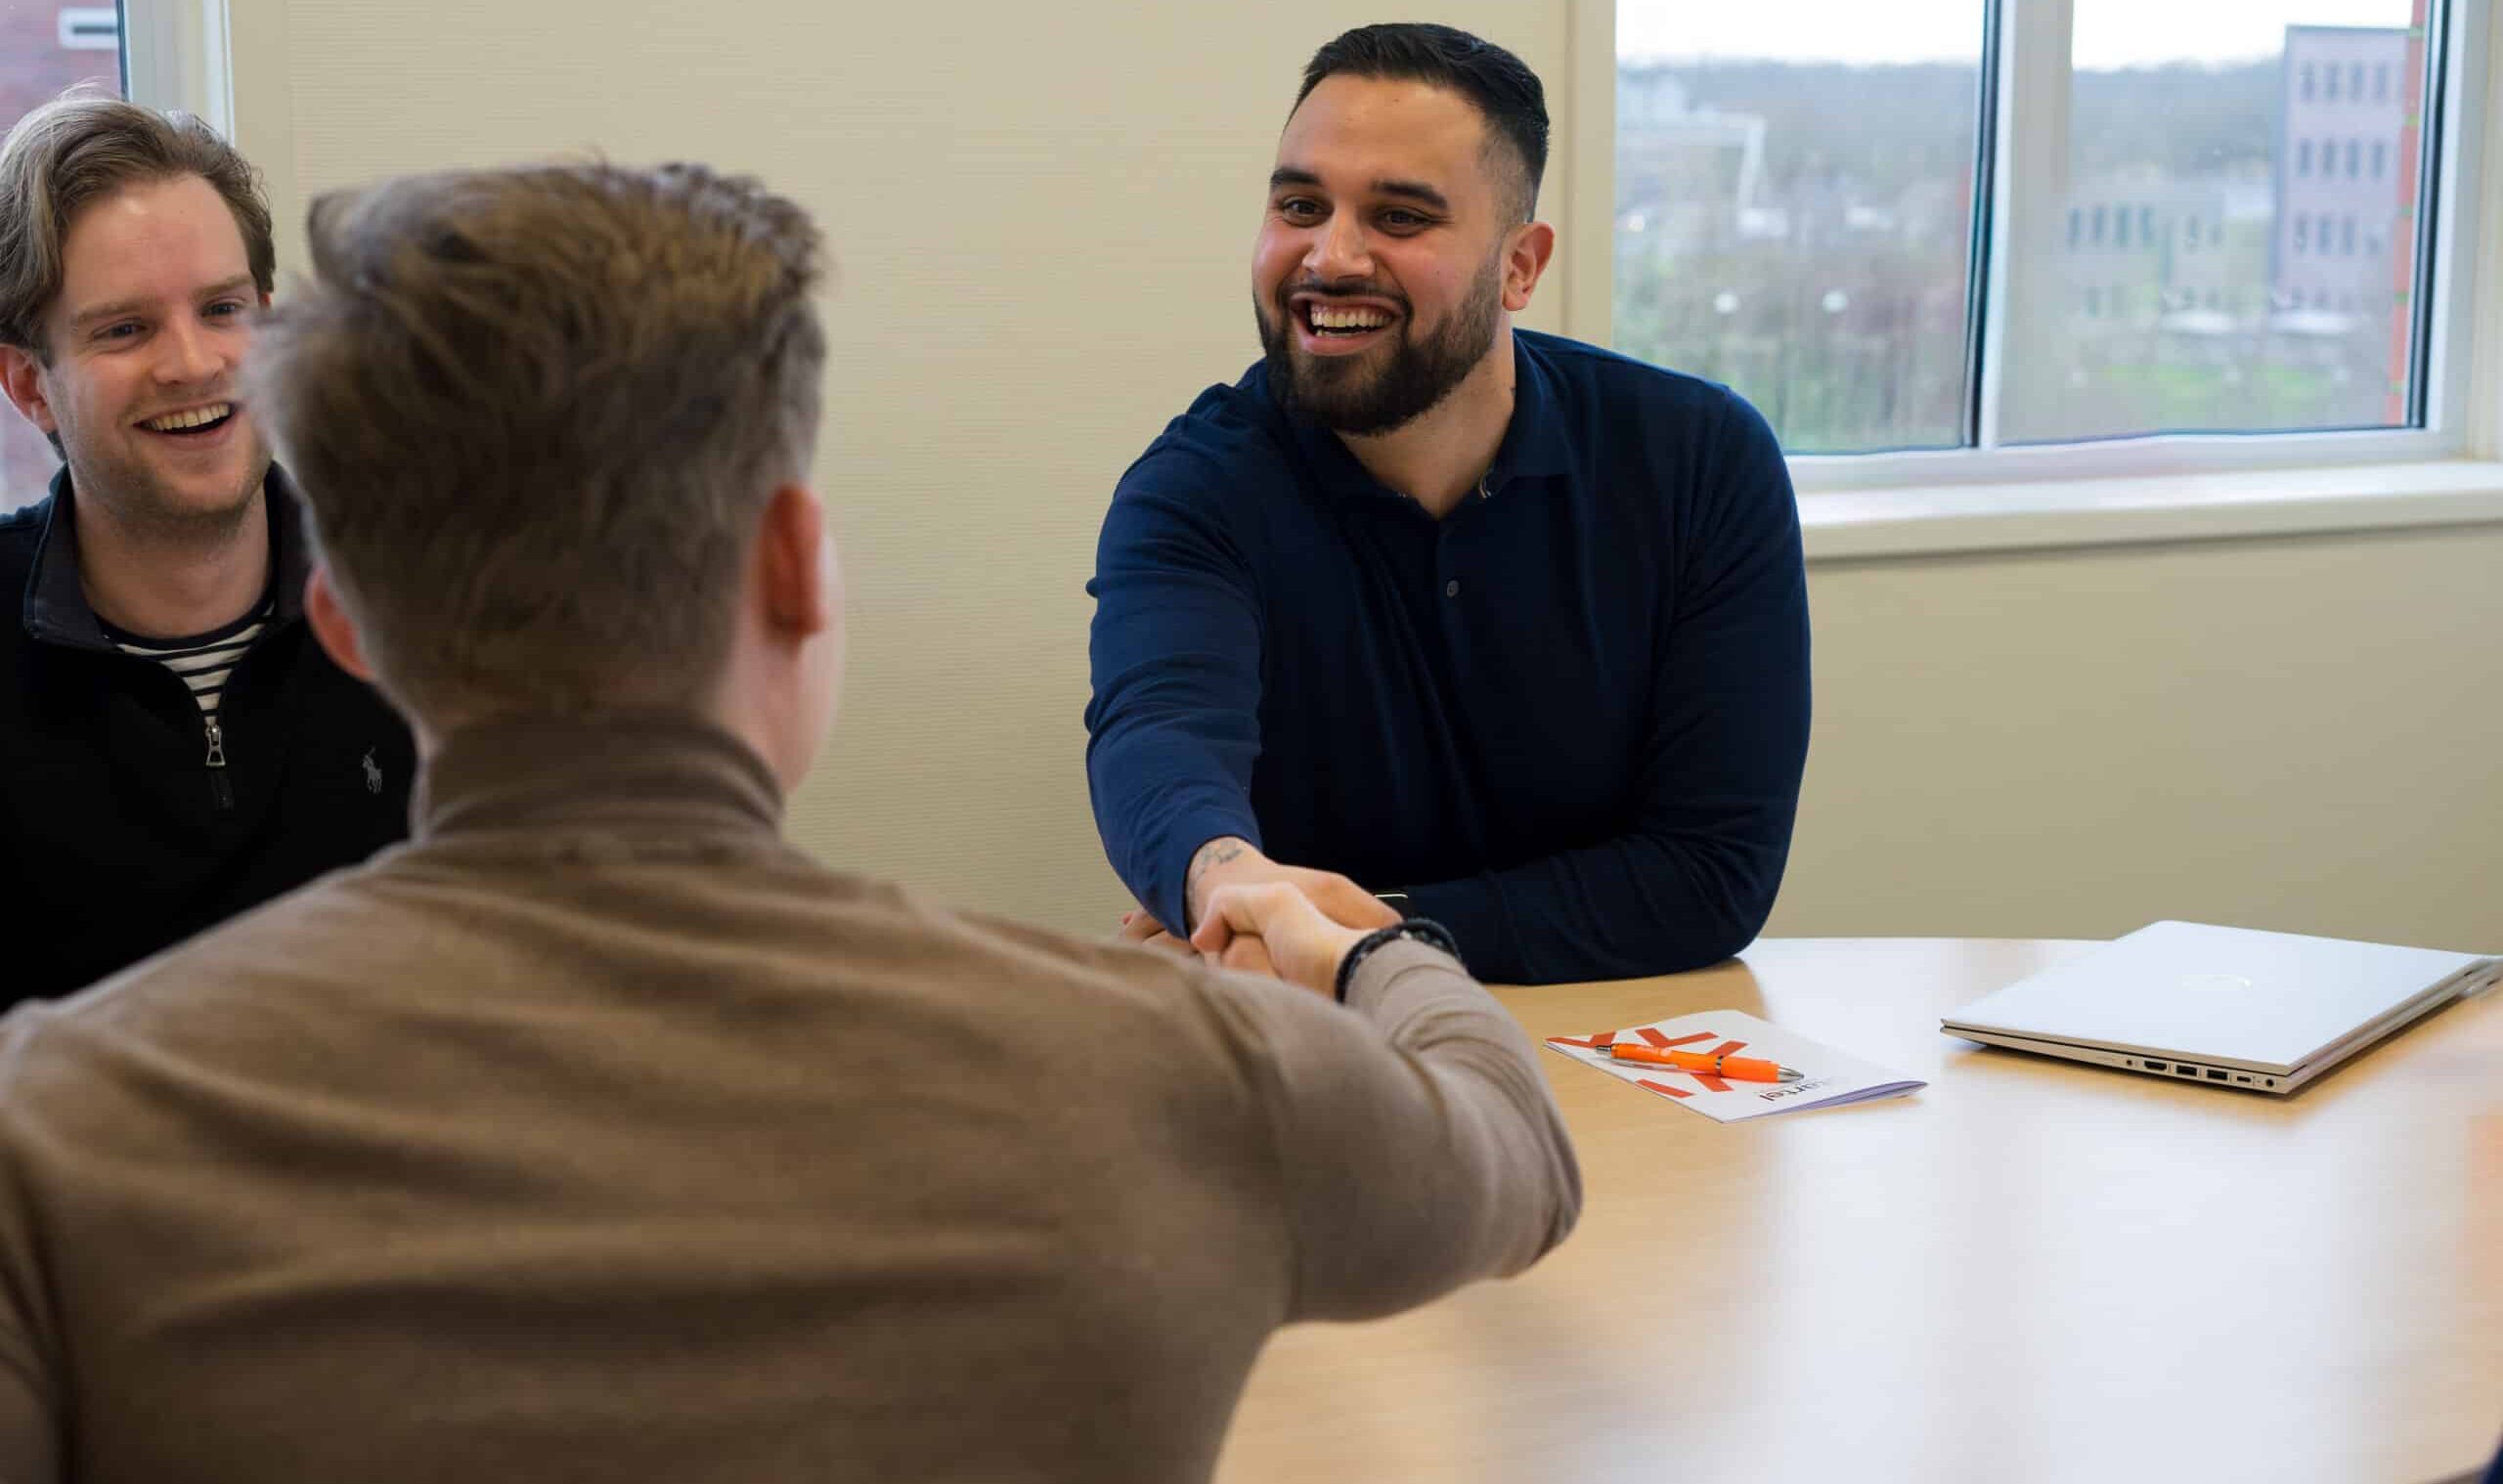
1736, 1068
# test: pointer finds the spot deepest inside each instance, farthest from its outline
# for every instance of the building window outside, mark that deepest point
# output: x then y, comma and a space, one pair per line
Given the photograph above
43, 50
1807, 170
2381, 82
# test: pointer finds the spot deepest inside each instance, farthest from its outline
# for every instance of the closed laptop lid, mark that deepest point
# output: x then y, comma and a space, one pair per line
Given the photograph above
2268, 999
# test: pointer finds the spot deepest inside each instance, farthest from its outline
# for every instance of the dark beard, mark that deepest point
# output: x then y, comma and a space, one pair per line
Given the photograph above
1347, 396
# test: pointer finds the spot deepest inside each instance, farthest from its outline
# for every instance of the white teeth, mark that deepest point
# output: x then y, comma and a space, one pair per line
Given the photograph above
1324, 317
175, 422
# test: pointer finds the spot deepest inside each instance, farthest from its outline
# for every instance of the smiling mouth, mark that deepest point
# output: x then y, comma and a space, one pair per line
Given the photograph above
1342, 321
193, 422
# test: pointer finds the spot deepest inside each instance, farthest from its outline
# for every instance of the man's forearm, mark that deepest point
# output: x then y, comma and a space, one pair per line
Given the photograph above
1196, 881
1629, 907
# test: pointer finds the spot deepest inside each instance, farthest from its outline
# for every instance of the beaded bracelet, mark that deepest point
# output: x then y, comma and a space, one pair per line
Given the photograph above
1424, 930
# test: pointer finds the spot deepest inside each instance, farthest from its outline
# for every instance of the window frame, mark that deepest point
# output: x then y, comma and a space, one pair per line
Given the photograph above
1995, 496
175, 55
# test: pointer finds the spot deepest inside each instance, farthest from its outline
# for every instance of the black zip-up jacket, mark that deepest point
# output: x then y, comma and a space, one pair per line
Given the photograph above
127, 823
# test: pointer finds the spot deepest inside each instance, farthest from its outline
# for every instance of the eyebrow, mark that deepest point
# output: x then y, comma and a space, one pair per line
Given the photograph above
1415, 191
119, 307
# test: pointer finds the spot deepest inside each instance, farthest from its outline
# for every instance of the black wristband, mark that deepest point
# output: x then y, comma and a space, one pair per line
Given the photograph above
1424, 930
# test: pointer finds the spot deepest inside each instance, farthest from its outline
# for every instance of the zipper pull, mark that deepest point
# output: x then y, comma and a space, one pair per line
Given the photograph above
220, 788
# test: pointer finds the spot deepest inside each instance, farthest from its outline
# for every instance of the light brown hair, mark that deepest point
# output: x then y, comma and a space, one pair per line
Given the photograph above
536, 414
84, 146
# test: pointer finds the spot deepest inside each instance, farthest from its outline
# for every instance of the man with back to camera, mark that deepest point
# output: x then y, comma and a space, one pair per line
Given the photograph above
1506, 628
174, 747
596, 1133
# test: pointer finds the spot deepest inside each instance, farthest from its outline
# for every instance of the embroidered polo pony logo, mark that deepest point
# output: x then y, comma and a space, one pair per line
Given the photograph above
373, 773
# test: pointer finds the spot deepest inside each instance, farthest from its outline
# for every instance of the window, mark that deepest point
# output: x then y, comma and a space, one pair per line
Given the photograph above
2381, 82
1790, 151
44, 49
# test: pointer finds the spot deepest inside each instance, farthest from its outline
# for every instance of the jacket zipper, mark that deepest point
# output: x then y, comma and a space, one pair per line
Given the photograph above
220, 787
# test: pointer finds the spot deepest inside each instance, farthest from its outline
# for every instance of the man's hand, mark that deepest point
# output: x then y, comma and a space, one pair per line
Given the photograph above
1228, 860
1278, 919
1139, 926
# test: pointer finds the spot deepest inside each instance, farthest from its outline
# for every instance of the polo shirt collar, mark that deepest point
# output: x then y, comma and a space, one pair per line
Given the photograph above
1534, 445
57, 610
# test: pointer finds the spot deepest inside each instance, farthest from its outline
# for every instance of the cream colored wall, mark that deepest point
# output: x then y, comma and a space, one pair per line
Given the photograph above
2300, 734
1043, 215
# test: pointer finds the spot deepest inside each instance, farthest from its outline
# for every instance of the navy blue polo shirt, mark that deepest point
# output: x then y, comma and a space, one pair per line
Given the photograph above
1568, 719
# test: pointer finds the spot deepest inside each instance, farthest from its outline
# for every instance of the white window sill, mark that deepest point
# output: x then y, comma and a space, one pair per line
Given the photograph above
1858, 525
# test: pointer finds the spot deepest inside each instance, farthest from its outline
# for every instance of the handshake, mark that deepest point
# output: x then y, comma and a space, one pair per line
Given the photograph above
1251, 913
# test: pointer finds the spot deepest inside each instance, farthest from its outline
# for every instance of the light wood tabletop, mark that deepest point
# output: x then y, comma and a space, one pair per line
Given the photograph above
2028, 1269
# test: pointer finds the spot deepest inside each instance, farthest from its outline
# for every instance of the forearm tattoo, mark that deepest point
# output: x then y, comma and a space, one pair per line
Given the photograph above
1213, 855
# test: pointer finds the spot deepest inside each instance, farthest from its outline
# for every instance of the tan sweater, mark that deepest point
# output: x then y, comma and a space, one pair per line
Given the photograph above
598, 1135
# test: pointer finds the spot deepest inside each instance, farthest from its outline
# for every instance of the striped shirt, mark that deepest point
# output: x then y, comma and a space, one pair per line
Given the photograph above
204, 660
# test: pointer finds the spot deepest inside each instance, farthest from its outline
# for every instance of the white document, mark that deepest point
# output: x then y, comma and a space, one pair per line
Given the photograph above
1833, 1078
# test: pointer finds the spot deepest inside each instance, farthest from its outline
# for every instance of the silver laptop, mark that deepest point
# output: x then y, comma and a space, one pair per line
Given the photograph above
2255, 1012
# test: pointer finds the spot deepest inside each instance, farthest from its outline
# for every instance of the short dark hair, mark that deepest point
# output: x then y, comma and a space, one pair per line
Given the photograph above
535, 414
1500, 84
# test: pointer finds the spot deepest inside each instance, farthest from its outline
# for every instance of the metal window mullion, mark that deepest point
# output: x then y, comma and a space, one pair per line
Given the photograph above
1980, 286
175, 55
2029, 185
2455, 354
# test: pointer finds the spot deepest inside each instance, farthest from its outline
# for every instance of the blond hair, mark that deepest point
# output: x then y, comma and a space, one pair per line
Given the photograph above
535, 416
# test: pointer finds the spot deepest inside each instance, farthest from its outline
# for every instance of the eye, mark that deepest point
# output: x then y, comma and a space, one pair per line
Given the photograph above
1301, 208
226, 309
1400, 219
121, 329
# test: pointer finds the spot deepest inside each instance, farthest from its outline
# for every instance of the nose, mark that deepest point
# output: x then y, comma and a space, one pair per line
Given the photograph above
1339, 250
191, 353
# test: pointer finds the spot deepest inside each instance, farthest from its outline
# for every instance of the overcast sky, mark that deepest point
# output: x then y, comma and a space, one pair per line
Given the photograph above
2110, 34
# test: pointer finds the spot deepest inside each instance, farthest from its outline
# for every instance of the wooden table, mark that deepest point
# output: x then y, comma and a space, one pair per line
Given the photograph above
2029, 1270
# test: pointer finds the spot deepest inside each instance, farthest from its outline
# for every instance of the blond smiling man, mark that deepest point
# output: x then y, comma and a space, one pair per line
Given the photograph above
174, 747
